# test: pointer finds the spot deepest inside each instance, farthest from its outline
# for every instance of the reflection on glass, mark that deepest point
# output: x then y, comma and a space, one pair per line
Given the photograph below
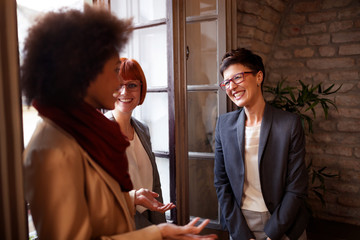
202, 63
200, 7
154, 112
163, 168
141, 10
148, 47
202, 116
202, 194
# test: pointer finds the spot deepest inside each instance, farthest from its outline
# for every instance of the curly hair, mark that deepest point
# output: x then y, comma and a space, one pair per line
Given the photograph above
66, 50
244, 57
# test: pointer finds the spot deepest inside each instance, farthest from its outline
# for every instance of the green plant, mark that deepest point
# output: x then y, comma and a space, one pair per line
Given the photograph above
302, 101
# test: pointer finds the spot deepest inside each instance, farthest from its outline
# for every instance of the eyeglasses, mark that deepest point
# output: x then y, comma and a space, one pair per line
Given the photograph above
237, 79
130, 86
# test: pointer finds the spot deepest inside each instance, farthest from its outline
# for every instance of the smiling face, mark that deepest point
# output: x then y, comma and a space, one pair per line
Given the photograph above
100, 93
248, 92
129, 96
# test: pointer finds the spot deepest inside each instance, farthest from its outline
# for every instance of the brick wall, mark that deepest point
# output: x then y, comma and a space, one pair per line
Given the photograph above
316, 41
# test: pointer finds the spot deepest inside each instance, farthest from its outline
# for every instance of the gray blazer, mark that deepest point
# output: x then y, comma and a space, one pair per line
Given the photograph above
282, 170
147, 217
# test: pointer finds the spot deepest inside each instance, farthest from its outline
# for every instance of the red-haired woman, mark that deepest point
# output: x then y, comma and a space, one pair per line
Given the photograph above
142, 166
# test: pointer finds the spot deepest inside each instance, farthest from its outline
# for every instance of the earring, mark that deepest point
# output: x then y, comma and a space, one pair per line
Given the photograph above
258, 85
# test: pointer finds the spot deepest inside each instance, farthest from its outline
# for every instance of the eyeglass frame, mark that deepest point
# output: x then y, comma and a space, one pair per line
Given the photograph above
223, 86
126, 85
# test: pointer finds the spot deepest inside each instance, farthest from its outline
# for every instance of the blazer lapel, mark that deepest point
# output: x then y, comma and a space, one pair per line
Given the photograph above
240, 129
264, 130
142, 135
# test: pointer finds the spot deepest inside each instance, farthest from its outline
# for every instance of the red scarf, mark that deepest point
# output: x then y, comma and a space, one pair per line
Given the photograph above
97, 135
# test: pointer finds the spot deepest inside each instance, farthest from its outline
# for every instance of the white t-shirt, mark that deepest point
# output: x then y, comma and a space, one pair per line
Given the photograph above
252, 198
140, 168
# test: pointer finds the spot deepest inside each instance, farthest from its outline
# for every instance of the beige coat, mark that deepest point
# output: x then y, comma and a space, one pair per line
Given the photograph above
71, 196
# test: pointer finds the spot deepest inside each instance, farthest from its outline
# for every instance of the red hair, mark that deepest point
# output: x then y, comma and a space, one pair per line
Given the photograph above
130, 69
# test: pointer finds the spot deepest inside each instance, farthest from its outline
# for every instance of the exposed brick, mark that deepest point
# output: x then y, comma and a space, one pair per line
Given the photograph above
330, 63
304, 52
344, 75
246, 32
283, 54
267, 26
250, 7
259, 35
249, 20
277, 5
351, 13
314, 149
244, 43
298, 41
347, 100
324, 160
296, 19
261, 46
339, 151
270, 14
337, 137
330, 197
350, 176
268, 38
287, 64
322, 39
349, 201
345, 37
345, 87
340, 26
351, 49
328, 125
349, 112
357, 24
348, 163
357, 152
327, 51
306, 7
349, 126
314, 28
291, 31
344, 188
335, 3
321, 17
307, 77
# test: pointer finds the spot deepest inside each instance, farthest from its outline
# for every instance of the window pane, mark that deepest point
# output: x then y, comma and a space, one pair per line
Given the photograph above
202, 116
202, 64
200, 7
142, 10
154, 112
163, 168
201, 188
30, 120
148, 47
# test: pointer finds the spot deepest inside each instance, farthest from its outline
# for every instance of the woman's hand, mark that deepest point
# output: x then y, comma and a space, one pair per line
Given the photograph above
187, 232
147, 198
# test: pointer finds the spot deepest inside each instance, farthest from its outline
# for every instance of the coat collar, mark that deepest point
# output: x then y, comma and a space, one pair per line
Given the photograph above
265, 129
241, 132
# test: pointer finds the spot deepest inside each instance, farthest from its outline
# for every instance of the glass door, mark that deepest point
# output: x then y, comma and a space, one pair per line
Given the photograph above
205, 44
